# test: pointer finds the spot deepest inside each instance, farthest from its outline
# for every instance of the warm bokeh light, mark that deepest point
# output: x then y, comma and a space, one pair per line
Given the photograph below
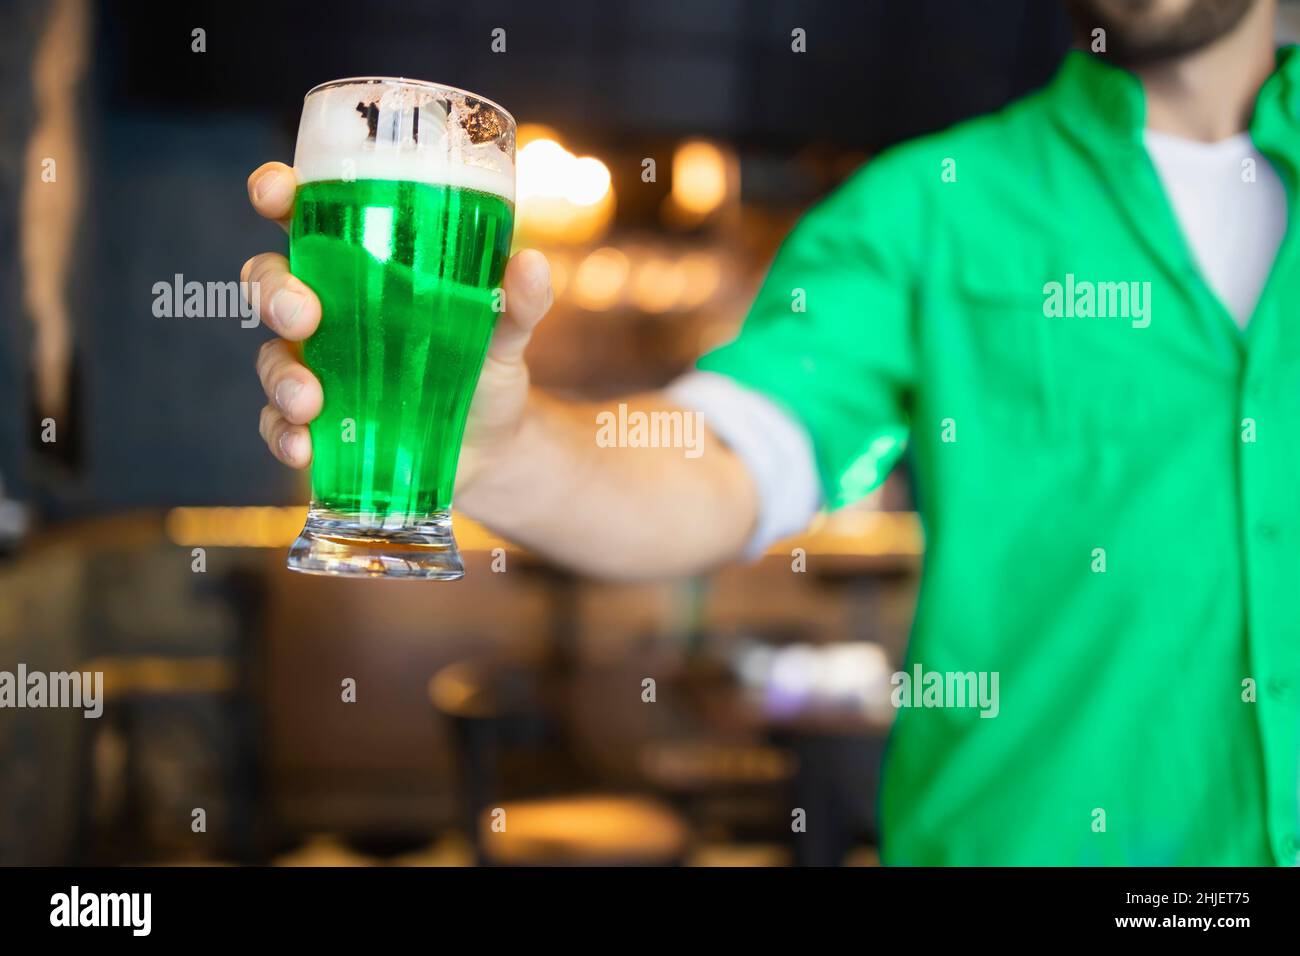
598, 282
700, 174
587, 181
527, 132
701, 277
235, 527
542, 169
561, 269
559, 196
657, 284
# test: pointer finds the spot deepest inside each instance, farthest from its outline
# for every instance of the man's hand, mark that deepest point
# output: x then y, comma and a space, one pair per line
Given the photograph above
291, 310
530, 466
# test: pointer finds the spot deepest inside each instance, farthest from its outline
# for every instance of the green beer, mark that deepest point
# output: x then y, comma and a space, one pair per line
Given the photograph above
401, 226
407, 274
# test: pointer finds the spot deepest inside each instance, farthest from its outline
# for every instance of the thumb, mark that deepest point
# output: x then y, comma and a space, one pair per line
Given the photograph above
527, 288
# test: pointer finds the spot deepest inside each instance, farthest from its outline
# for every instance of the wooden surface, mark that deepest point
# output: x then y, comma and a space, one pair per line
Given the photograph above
858, 538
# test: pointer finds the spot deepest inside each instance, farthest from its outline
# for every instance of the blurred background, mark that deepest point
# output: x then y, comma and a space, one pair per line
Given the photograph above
520, 688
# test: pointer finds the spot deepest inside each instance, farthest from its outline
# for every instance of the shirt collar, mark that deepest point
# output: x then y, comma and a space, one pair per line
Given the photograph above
1089, 97
1275, 124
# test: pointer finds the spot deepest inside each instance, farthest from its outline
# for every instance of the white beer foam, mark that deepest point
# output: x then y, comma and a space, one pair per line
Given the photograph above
334, 143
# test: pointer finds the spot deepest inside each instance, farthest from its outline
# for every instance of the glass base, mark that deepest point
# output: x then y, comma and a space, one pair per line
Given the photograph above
344, 545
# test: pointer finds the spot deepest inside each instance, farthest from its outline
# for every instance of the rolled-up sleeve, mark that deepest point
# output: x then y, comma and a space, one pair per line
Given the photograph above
772, 444
829, 339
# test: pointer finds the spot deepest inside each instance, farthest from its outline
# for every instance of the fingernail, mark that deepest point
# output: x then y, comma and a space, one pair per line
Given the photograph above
288, 443
285, 306
285, 393
262, 186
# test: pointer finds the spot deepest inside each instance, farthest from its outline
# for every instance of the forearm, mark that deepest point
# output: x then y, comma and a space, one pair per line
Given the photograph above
619, 512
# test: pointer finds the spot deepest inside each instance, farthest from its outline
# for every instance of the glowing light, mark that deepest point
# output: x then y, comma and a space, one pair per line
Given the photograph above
657, 285
699, 177
235, 527
545, 169
527, 132
599, 280
702, 278
542, 169
588, 181
561, 196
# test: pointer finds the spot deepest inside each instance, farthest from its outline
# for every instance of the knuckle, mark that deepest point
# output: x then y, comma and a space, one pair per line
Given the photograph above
279, 367
266, 268
265, 355
264, 422
252, 269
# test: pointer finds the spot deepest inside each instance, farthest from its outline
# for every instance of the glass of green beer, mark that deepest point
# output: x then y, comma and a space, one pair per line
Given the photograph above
401, 226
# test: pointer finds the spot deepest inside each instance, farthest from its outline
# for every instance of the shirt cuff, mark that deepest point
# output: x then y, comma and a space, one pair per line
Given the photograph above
773, 445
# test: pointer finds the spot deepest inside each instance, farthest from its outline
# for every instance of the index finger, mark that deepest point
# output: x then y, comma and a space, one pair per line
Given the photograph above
271, 187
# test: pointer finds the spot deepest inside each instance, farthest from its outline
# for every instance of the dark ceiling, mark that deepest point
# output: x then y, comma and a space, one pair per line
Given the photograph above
875, 71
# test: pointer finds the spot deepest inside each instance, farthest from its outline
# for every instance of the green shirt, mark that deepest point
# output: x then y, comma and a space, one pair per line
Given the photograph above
1106, 466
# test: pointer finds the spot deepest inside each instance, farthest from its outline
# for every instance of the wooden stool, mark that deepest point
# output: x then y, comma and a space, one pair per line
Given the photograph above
508, 744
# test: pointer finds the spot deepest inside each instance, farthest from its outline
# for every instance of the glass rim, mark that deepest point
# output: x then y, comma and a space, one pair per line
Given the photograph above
404, 81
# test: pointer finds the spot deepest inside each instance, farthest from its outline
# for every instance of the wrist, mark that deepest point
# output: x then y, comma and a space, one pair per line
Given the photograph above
519, 482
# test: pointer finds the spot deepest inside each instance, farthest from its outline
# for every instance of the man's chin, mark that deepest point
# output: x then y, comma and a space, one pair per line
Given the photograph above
1132, 43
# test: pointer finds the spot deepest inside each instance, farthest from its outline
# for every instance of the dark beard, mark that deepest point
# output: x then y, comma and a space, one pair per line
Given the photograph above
1204, 22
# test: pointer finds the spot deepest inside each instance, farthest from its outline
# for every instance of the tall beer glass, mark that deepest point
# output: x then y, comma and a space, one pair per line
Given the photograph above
402, 227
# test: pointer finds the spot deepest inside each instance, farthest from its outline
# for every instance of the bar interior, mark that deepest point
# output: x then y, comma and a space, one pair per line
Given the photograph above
250, 715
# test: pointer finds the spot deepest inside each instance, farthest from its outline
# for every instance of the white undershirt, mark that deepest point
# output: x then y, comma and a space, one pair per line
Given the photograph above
1233, 227
1232, 224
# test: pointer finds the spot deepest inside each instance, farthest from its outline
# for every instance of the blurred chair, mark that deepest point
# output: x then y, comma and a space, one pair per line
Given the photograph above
736, 792
180, 730
819, 756
170, 742
513, 756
